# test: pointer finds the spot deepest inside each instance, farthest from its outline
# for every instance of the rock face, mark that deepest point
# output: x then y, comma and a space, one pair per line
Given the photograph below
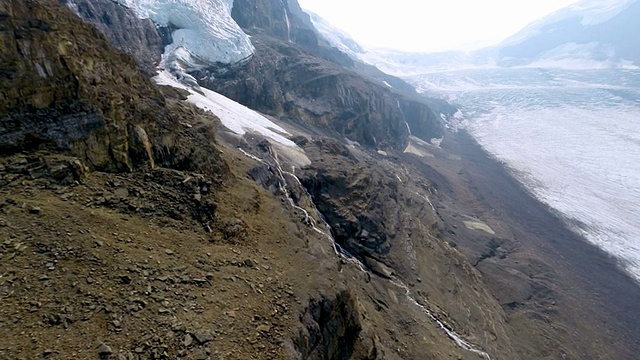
282, 19
137, 37
363, 206
294, 75
333, 330
64, 88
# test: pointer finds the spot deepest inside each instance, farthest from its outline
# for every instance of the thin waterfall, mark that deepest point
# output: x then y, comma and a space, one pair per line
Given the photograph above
344, 253
286, 20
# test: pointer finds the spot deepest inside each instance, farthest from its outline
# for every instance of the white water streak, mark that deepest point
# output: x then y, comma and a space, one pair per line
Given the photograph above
405, 120
286, 19
428, 201
251, 156
447, 329
344, 254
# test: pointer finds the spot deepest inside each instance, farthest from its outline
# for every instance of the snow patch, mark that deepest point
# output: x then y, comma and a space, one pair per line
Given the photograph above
592, 12
595, 12
478, 225
336, 37
234, 116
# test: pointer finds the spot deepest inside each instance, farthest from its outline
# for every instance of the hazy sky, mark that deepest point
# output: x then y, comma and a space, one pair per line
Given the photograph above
432, 25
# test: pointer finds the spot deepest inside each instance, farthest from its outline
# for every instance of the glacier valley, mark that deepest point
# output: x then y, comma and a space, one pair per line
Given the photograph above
572, 137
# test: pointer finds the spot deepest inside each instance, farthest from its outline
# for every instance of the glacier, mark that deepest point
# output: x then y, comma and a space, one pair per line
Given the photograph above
571, 137
206, 33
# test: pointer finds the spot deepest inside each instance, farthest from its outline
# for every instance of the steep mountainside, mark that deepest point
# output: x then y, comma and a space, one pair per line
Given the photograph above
64, 88
294, 75
130, 34
134, 226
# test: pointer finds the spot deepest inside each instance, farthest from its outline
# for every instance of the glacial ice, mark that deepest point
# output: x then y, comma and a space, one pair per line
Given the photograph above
571, 137
205, 34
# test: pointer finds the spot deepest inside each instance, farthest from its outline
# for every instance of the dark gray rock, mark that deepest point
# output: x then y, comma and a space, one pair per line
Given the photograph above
104, 351
188, 340
333, 329
137, 37
289, 81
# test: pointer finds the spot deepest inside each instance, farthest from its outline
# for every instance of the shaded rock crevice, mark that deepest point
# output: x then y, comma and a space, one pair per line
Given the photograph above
360, 205
332, 329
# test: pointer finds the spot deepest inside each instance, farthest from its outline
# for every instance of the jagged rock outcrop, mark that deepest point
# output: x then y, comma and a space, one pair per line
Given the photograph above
63, 87
361, 205
137, 37
332, 329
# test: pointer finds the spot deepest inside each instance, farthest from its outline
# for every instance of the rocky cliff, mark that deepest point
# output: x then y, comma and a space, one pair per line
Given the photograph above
364, 110
282, 19
138, 37
64, 88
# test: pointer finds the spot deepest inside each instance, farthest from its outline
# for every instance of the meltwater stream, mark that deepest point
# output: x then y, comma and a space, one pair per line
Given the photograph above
344, 254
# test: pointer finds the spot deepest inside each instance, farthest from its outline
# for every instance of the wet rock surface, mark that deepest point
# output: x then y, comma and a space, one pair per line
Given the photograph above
333, 329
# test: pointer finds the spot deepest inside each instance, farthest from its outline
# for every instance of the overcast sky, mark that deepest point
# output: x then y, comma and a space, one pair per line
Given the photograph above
432, 25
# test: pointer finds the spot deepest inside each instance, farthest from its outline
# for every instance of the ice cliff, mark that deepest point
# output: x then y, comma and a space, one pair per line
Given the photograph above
204, 31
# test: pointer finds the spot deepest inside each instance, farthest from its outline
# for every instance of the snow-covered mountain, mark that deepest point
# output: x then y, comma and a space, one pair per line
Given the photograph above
591, 34
205, 32
390, 61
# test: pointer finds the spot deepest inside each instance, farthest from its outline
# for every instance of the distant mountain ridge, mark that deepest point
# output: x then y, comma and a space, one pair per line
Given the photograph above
587, 35
596, 33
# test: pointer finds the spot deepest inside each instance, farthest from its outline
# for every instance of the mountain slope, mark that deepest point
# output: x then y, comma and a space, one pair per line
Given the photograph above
295, 75
64, 88
154, 233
